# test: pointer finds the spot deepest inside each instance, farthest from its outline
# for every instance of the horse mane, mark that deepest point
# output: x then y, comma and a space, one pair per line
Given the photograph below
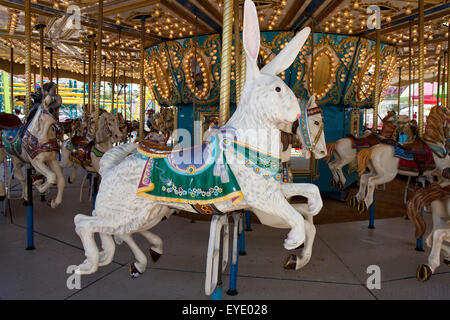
434, 129
423, 197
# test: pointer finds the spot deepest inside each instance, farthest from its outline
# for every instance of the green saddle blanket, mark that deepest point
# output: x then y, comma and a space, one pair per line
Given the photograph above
173, 177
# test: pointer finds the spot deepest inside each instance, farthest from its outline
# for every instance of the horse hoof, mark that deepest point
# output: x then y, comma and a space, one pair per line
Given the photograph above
2, 198
291, 262
134, 272
25, 203
154, 255
361, 207
423, 272
352, 202
69, 181
333, 183
447, 262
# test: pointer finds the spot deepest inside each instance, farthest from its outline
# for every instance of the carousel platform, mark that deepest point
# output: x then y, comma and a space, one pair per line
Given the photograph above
342, 252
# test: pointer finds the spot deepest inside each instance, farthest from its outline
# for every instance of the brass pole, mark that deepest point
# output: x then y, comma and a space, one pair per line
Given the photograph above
142, 82
91, 71
443, 79
438, 81
448, 71
41, 27
27, 57
12, 80
104, 82
225, 71
377, 82
414, 80
312, 60
98, 69
113, 89
237, 51
399, 87
125, 94
50, 49
57, 76
243, 62
84, 85
410, 67
421, 65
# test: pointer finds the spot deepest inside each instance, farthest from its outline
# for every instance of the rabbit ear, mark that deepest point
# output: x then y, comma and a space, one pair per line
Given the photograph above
287, 56
251, 37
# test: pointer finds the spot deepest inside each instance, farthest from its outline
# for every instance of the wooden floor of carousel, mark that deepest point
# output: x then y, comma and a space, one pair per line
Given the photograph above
338, 268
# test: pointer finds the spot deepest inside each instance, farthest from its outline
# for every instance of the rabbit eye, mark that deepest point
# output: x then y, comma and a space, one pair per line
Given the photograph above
316, 123
277, 89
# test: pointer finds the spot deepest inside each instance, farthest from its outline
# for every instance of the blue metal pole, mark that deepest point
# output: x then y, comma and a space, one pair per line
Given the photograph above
248, 223
30, 222
372, 213
235, 245
419, 241
241, 240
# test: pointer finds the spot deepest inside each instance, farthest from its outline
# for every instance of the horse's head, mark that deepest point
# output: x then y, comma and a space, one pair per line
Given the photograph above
310, 130
265, 96
108, 126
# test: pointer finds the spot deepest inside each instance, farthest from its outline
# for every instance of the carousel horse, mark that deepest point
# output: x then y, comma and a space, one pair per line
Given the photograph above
239, 168
35, 143
345, 149
86, 153
438, 196
422, 157
313, 138
308, 130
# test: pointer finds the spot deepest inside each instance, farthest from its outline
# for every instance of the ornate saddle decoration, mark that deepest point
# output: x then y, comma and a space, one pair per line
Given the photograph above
415, 156
33, 147
11, 141
80, 151
188, 175
266, 164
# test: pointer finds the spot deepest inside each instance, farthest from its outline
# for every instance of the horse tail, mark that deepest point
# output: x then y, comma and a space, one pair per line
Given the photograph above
331, 146
421, 198
363, 160
115, 155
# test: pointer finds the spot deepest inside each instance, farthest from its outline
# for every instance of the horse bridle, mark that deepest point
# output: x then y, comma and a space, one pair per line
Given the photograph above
303, 126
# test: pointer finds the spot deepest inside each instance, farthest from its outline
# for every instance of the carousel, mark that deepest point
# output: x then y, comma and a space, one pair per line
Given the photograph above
198, 121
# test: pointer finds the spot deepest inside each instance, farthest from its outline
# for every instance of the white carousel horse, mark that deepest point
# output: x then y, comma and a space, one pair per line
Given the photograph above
81, 152
309, 131
438, 196
384, 160
266, 104
35, 143
345, 149
313, 139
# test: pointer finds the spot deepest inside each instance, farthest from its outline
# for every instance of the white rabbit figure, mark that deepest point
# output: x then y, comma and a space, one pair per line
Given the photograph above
267, 104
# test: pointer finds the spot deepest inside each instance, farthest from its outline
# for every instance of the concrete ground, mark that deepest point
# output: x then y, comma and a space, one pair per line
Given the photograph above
338, 268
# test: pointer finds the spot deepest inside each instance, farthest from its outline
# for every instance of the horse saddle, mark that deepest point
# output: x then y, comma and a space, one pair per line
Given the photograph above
363, 142
9, 121
421, 153
80, 150
197, 176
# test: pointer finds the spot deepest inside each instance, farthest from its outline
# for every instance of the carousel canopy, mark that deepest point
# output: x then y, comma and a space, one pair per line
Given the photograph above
180, 19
